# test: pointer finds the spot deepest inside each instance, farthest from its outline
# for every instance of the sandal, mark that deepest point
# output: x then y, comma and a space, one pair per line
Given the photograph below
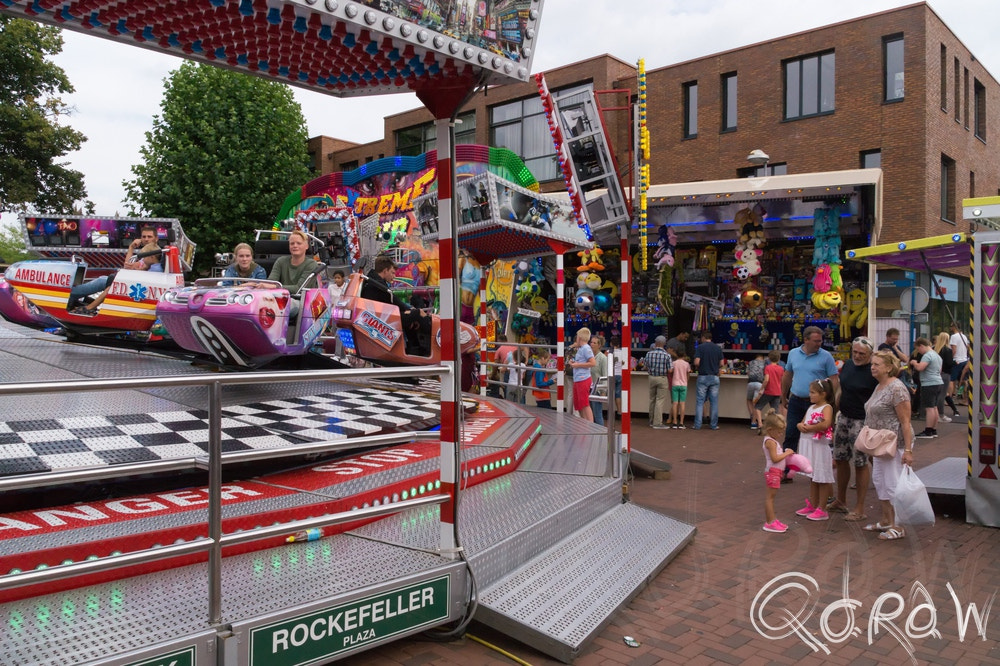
835, 507
854, 517
876, 527
892, 534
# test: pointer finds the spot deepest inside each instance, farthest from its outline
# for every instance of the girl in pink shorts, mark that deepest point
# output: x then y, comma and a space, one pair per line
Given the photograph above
774, 468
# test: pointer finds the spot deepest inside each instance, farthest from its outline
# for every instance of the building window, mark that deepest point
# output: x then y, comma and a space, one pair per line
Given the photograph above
958, 92
871, 159
729, 95
349, 166
521, 127
809, 86
892, 59
972, 184
690, 110
979, 105
947, 187
965, 96
944, 77
418, 140
776, 169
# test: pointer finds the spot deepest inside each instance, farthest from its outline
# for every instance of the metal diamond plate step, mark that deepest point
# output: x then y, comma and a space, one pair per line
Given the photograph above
946, 476
560, 599
507, 520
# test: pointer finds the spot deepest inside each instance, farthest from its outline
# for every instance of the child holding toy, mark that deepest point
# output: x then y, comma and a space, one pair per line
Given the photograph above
774, 466
816, 430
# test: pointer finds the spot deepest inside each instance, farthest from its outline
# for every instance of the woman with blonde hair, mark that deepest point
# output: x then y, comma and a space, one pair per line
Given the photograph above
889, 409
244, 266
942, 345
583, 361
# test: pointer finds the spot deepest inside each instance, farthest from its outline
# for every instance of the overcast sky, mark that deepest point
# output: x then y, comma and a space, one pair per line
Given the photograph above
119, 87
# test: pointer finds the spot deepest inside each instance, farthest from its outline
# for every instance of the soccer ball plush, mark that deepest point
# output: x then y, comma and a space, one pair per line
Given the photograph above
584, 301
752, 299
741, 272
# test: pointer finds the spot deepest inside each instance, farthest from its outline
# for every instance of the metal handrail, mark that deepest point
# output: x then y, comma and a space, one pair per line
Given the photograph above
24, 481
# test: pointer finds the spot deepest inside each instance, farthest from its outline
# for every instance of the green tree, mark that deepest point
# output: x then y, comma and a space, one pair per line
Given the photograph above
12, 247
221, 157
31, 138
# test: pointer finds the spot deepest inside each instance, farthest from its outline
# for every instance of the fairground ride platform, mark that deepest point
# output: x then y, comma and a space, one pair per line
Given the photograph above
541, 521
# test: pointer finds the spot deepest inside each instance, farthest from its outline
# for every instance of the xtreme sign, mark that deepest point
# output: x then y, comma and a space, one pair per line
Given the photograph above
314, 636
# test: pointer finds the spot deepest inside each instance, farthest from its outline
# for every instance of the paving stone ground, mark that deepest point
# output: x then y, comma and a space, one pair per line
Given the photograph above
697, 611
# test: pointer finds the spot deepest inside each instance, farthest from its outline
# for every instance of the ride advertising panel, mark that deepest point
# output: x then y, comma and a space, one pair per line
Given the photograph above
381, 197
58, 236
502, 27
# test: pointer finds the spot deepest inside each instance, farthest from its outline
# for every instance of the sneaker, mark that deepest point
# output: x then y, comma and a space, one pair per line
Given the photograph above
753, 426
806, 510
818, 514
682, 427
774, 526
661, 427
945, 419
715, 427
926, 433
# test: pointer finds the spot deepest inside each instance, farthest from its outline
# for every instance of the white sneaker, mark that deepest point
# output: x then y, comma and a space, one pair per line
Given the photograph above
946, 419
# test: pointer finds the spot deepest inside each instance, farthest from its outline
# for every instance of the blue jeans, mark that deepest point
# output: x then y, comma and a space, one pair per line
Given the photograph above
598, 409
707, 384
95, 286
797, 408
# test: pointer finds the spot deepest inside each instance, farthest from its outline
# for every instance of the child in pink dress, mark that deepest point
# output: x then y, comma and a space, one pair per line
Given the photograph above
816, 431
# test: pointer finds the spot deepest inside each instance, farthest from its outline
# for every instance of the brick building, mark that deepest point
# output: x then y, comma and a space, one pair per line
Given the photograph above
896, 90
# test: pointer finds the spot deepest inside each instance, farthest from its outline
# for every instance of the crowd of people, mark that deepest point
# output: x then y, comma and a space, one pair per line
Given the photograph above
876, 388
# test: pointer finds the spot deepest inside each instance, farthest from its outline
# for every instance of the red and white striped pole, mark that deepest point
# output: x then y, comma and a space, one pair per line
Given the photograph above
626, 314
450, 396
560, 330
482, 331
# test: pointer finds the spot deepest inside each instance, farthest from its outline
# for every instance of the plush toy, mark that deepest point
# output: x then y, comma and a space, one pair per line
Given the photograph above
751, 259
826, 300
857, 302
593, 281
751, 298
821, 281
798, 463
539, 305
590, 260
835, 281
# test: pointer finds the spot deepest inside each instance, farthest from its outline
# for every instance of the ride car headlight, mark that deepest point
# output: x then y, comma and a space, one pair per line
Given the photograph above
167, 297
245, 299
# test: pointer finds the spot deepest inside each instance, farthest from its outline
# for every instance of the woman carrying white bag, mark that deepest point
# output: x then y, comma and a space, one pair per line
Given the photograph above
889, 409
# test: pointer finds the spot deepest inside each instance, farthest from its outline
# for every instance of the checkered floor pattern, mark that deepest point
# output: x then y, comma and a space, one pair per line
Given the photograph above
45, 445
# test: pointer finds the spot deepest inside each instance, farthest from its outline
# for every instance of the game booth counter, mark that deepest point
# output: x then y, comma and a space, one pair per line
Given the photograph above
977, 476
754, 260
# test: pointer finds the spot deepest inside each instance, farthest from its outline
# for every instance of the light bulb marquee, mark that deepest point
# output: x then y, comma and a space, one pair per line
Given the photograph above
330, 46
562, 155
643, 159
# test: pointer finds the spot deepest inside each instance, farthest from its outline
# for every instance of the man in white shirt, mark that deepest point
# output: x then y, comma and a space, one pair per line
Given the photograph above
959, 351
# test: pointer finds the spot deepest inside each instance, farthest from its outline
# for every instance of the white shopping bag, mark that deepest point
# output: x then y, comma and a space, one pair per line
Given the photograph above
913, 506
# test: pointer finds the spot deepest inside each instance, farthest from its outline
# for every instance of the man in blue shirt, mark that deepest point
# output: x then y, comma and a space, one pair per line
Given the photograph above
805, 365
707, 358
